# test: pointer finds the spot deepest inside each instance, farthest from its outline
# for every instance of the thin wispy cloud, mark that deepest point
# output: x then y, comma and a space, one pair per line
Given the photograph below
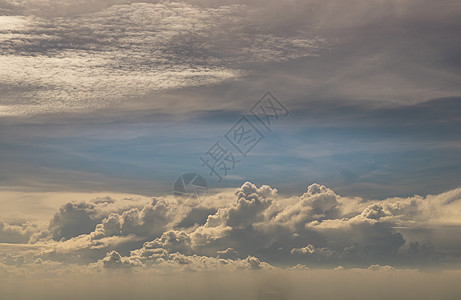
86, 62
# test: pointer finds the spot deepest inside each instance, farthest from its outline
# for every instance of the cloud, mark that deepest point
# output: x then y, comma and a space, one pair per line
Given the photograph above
73, 219
13, 260
77, 218
18, 232
177, 262
229, 253
86, 62
114, 260
82, 56
309, 249
381, 268
151, 220
256, 234
259, 227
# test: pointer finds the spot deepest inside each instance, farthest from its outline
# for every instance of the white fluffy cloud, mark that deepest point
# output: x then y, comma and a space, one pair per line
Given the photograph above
258, 227
260, 233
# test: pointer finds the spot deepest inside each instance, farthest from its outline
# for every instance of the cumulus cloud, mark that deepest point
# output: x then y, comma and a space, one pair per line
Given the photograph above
170, 242
150, 220
105, 217
309, 249
257, 238
72, 220
258, 228
114, 260
381, 268
17, 232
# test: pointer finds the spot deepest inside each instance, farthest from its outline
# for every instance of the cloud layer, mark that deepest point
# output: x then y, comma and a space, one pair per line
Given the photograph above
87, 61
257, 229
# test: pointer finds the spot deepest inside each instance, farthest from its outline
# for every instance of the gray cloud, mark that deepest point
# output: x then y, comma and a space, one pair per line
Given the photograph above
85, 62
114, 260
17, 232
12, 260
85, 56
76, 218
72, 220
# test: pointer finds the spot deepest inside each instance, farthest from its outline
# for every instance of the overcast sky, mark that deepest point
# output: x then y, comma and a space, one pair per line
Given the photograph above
104, 104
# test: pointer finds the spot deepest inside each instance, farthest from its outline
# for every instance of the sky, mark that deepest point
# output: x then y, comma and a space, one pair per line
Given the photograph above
324, 135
